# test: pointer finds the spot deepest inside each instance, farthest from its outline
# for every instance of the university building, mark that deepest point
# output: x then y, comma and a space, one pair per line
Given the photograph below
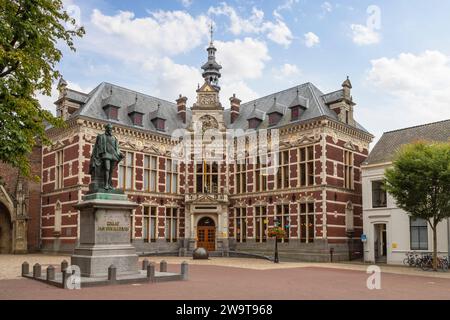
224, 202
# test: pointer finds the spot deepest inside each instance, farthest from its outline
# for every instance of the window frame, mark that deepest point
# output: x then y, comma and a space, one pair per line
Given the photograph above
418, 228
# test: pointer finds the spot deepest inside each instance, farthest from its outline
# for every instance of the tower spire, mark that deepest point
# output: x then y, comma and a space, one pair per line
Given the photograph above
211, 32
211, 69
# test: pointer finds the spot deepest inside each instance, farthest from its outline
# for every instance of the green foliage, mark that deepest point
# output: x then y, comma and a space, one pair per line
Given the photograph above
30, 31
419, 180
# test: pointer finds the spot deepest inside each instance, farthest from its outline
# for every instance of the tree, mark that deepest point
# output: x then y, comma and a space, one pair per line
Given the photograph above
419, 180
30, 33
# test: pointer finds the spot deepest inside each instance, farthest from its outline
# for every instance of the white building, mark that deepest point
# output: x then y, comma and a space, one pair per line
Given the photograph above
389, 230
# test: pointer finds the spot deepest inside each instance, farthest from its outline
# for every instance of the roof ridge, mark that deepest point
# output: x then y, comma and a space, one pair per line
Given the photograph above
315, 98
270, 94
134, 91
417, 126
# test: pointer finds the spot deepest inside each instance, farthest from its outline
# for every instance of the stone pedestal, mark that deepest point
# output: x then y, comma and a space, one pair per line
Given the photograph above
105, 235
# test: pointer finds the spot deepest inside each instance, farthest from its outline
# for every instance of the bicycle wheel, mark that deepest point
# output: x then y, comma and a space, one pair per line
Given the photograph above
424, 265
406, 262
444, 265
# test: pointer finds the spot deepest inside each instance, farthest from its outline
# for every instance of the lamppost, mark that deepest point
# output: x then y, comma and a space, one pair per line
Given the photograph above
278, 233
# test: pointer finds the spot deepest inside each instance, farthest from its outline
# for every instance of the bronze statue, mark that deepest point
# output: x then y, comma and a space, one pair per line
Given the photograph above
104, 159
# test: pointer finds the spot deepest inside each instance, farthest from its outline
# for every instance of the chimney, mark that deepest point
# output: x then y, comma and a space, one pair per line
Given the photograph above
181, 107
235, 105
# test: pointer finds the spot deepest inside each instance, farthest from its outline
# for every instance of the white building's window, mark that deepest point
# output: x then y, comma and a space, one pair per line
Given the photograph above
378, 194
419, 233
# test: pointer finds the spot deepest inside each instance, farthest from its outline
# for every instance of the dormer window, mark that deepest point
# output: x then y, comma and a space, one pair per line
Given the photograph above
297, 106
112, 112
253, 123
274, 118
159, 124
136, 118
295, 113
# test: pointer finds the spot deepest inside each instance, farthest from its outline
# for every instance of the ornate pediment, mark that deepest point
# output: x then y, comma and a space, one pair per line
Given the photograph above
351, 146
304, 140
211, 198
206, 87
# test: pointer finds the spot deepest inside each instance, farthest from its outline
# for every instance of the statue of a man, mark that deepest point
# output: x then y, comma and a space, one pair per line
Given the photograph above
104, 158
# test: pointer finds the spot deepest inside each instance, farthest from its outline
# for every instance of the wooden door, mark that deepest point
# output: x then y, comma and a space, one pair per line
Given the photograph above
206, 236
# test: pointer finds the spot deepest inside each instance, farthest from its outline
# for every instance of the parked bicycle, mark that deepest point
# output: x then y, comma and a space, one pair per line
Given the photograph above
412, 259
425, 261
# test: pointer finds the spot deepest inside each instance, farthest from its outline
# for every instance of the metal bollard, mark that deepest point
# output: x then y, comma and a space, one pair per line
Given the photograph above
184, 270
112, 272
50, 273
151, 272
163, 266
25, 269
37, 270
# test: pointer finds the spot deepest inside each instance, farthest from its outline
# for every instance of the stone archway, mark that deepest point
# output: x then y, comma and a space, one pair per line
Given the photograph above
5, 230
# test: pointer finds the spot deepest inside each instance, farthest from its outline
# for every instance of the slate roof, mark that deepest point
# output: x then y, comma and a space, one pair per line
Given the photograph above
125, 99
307, 92
390, 142
277, 107
128, 100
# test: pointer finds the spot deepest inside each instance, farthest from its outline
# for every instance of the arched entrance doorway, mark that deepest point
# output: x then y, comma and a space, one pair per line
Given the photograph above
5, 230
206, 234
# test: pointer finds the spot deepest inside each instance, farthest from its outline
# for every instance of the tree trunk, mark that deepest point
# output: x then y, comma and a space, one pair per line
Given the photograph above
434, 247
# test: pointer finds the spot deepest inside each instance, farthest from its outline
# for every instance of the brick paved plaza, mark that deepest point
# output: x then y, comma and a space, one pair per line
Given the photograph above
228, 278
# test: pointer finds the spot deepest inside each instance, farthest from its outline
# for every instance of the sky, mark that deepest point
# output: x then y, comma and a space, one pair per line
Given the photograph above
396, 53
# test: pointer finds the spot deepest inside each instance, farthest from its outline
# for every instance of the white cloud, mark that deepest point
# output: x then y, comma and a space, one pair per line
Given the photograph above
242, 59
172, 79
326, 7
276, 31
311, 39
287, 5
418, 83
154, 35
279, 33
287, 71
148, 46
240, 88
363, 35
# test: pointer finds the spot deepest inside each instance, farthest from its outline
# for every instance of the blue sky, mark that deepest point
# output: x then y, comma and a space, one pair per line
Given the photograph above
396, 53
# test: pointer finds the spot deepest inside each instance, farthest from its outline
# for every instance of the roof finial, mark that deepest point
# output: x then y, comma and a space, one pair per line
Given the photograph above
211, 31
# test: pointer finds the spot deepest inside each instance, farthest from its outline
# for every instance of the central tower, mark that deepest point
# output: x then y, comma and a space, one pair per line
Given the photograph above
211, 69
